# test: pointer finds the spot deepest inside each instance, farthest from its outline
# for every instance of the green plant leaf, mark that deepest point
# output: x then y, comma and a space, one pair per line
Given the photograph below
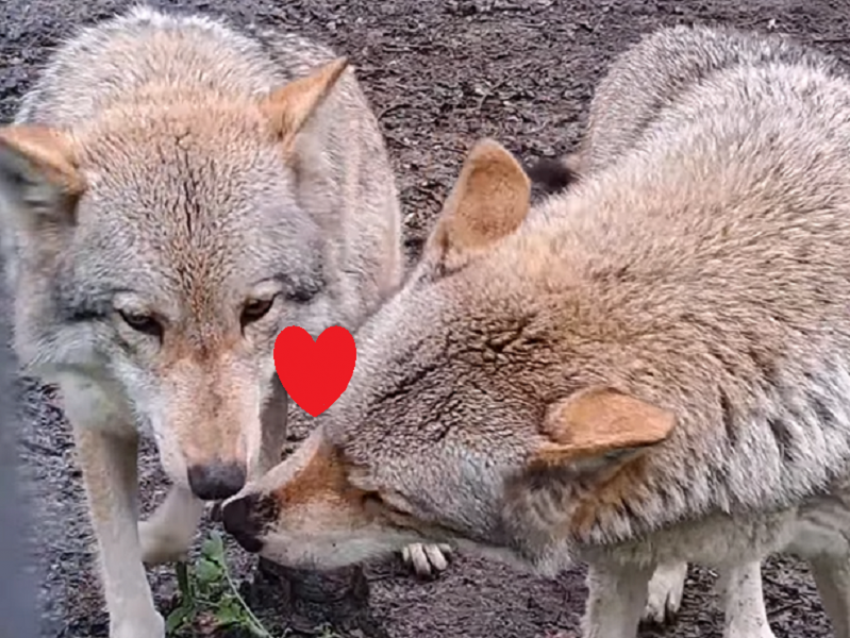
178, 617
208, 591
207, 572
213, 547
230, 614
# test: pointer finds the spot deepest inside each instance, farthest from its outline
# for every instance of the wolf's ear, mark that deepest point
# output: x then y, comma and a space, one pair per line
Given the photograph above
489, 201
599, 428
289, 107
39, 177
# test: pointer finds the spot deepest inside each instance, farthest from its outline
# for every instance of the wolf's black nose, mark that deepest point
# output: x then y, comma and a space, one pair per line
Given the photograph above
216, 481
241, 521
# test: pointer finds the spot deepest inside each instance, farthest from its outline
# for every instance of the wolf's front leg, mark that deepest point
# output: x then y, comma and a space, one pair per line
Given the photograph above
109, 466
665, 593
745, 613
616, 598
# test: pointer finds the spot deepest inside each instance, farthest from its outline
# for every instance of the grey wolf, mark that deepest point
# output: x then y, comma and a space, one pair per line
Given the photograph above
173, 193
650, 368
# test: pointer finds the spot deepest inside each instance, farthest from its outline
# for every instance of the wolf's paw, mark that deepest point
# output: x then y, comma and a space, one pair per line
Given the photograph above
162, 544
665, 593
168, 534
427, 560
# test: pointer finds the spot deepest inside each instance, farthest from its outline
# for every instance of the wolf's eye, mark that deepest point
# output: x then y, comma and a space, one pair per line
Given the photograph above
142, 323
255, 310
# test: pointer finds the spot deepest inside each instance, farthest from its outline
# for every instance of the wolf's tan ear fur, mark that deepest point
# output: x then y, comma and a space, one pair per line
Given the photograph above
38, 172
289, 107
489, 201
598, 423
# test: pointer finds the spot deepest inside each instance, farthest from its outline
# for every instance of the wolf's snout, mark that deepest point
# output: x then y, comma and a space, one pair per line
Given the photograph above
217, 480
242, 519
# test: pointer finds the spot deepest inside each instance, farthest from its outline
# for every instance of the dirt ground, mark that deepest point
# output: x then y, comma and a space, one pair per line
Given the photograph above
440, 74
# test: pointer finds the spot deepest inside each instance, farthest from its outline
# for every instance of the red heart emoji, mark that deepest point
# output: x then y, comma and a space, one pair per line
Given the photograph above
315, 373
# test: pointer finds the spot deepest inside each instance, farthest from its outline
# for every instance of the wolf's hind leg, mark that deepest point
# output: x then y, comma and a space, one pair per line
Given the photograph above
823, 539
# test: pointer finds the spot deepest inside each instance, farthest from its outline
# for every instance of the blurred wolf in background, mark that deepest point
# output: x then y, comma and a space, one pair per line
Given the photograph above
173, 193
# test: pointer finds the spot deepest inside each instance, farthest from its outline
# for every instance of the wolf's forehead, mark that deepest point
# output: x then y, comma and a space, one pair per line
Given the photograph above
188, 177
191, 185
192, 246
186, 216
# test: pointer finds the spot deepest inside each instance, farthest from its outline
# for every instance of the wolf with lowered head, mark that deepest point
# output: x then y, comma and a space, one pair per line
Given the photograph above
650, 368
173, 193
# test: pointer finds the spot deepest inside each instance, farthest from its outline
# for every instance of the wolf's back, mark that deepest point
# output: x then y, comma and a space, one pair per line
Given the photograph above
652, 76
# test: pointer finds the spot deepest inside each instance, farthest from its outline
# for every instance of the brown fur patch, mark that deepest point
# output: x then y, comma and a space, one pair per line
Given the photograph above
609, 496
585, 429
323, 478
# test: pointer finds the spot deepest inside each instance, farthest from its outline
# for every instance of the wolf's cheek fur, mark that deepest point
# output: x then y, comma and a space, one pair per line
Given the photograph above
306, 513
315, 536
